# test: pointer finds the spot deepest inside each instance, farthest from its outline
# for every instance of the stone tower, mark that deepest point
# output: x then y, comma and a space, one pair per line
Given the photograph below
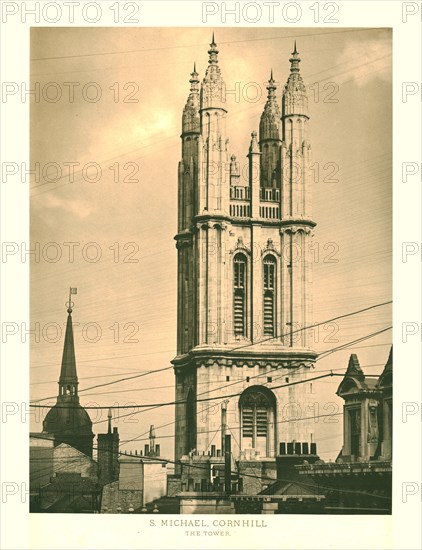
68, 421
244, 275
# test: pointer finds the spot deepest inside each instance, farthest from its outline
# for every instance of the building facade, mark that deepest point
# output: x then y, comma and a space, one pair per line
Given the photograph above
368, 413
244, 274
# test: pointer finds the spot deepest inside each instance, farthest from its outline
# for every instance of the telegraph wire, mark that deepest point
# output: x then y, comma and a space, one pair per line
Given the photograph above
110, 383
241, 347
156, 405
146, 50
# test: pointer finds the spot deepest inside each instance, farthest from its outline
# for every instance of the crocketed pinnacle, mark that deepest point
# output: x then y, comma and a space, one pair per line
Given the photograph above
269, 127
213, 51
194, 80
213, 89
190, 117
254, 146
295, 99
294, 60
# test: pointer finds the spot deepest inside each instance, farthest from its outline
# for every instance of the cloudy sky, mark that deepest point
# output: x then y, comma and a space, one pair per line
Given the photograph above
125, 310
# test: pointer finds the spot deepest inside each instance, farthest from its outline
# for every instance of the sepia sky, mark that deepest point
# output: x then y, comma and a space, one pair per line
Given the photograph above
348, 74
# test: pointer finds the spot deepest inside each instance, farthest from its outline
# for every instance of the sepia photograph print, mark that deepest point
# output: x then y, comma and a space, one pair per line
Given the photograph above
211, 272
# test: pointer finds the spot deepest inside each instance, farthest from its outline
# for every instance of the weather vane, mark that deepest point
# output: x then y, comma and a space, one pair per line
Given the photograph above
70, 304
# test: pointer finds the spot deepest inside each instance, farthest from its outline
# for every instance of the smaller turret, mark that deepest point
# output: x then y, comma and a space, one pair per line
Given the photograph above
213, 89
270, 138
191, 122
270, 124
295, 100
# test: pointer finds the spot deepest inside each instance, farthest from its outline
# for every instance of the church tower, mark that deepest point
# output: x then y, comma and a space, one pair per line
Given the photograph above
244, 275
68, 421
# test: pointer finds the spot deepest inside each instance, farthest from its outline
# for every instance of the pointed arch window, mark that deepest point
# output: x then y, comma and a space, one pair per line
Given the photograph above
269, 298
239, 294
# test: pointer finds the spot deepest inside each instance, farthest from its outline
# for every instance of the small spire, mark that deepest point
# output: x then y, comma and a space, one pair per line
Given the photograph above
294, 60
354, 368
271, 86
213, 52
389, 364
194, 81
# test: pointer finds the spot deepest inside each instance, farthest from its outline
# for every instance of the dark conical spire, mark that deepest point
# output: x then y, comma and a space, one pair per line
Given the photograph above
68, 371
385, 379
353, 368
68, 381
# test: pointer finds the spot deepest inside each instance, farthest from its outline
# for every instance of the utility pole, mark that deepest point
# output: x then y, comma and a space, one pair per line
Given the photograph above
227, 465
223, 425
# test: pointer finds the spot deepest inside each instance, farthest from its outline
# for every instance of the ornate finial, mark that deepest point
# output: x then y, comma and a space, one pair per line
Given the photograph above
271, 86
194, 81
213, 51
254, 146
294, 60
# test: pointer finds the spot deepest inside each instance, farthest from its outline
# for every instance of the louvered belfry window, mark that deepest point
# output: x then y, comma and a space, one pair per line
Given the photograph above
269, 295
239, 296
257, 410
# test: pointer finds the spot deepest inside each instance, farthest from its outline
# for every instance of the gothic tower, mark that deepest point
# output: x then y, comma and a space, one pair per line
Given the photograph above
68, 421
244, 274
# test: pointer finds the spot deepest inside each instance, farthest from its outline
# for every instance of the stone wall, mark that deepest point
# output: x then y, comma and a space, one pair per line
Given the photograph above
115, 500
